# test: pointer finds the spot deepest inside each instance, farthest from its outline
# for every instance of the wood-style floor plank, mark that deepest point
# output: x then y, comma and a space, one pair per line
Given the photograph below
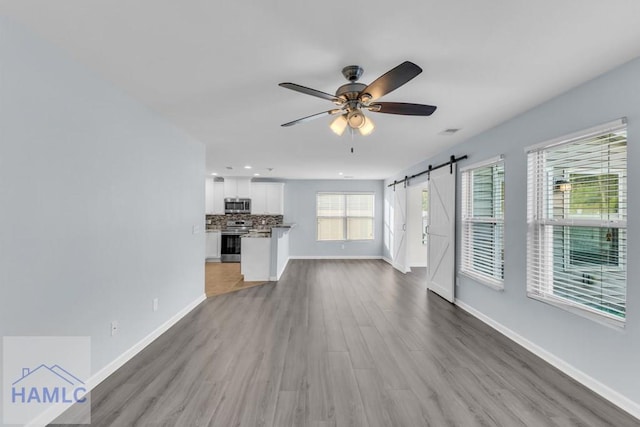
346, 395
341, 343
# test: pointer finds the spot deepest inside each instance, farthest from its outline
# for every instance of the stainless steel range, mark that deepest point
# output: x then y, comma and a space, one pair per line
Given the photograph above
231, 240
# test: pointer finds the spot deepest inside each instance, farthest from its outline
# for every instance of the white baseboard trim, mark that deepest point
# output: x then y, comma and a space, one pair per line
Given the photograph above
103, 373
284, 267
401, 268
53, 412
596, 386
279, 273
387, 260
336, 257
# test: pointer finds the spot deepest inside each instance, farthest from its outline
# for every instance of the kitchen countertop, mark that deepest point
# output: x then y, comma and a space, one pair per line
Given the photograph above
286, 225
261, 229
256, 236
257, 232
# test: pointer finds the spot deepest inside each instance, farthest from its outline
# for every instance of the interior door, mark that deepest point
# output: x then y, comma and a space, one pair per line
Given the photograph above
400, 228
441, 232
416, 240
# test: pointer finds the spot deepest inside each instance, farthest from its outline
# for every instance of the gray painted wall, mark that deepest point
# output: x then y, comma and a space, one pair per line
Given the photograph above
300, 208
608, 355
98, 197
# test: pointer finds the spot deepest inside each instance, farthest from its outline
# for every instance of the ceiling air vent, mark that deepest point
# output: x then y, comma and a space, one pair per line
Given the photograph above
449, 131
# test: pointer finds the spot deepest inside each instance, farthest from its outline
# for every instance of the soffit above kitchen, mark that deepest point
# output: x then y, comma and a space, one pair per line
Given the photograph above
213, 68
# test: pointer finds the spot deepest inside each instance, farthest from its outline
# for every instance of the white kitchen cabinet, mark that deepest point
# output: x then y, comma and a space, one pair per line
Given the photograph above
255, 259
214, 197
212, 245
275, 196
267, 198
258, 199
237, 188
218, 198
208, 196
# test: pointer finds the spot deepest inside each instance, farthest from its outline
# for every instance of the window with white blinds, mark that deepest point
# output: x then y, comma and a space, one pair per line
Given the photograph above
483, 222
345, 216
577, 220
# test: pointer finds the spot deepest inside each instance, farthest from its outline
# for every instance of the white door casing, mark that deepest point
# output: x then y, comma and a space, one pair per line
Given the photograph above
441, 232
400, 228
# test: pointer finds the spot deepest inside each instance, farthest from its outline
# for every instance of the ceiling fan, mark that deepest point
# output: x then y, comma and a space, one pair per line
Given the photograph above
353, 97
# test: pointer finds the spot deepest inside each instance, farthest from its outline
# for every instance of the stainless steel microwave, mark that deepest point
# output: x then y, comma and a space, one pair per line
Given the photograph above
237, 206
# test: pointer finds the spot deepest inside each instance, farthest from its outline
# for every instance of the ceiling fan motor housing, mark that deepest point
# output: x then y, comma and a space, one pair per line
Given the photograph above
350, 91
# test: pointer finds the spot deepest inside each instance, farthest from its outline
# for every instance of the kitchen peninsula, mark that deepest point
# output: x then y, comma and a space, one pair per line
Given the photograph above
265, 255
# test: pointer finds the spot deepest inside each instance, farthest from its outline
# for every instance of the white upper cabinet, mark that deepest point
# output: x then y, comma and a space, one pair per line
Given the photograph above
258, 200
208, 196
237, 188
214, 197
218, 198
267, 198
275, 198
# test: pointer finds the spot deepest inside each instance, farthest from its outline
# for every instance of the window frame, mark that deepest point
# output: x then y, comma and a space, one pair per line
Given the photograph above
572, 218
541, 228
467, 221
346, 217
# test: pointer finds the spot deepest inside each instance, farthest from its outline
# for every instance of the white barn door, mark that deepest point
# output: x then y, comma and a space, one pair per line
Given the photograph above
441, 232
400, 228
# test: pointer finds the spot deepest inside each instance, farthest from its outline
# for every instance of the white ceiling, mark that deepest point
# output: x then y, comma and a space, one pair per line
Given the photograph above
212, 68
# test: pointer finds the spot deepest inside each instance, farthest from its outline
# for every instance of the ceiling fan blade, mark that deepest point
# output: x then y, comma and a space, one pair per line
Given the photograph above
404, 108
312, 117
392, 79
312, 92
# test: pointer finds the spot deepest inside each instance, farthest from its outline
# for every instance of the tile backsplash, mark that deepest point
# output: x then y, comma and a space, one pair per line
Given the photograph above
218, 222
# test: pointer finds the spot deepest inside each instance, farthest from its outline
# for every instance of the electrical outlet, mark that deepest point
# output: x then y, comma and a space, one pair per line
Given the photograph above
343, 246
155, 304
115, 327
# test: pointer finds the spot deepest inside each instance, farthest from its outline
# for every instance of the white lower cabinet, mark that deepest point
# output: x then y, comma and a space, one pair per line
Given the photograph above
212, 245
255, 259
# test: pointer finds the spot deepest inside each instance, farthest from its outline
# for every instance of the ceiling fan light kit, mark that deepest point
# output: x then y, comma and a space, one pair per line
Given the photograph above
353, 97
367, 127
339, 124
355, 118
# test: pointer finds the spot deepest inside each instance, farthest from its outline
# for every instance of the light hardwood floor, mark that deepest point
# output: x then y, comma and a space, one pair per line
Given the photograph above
341, 343
221, 278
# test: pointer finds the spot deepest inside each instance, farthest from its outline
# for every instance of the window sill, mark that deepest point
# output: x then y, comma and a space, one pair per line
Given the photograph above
496, 285
602, 319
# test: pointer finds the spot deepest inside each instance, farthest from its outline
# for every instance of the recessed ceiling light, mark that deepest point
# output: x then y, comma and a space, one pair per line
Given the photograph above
247, 167
339, 173
214, 174
256, 174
